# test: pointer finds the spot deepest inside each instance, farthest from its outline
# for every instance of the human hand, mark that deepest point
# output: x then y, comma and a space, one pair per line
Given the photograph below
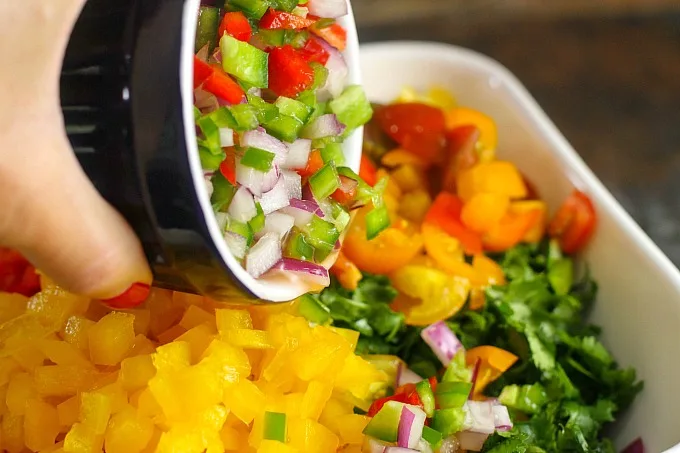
50, 211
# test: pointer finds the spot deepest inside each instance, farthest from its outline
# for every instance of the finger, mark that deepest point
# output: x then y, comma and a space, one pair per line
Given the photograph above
59, 221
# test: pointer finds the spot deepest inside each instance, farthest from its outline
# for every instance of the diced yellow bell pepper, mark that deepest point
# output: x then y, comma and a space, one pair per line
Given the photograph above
199, 338
64, 380
317, 395
75, 331
348, 334
128, 432
119, 397
41, 425
54, 306
181, 439
63, 353
196, 316
248, 338
11, 306
20, 390
397, 157
171, 334
147, 404
8, 366
135, 372
463, 116
142, 320
234, 438
69, 412
321, 356
351, 428
311, 437
172, 356
273, 446
12, 433
229, 363
141, 346
95, 411
499, 177
245, 400
111, 338
228, 319
29, 357
361, 378
332, 411
81, 439
409, 178
414, 205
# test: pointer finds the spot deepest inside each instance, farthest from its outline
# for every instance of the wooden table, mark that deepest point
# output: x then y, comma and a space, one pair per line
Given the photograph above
611, 83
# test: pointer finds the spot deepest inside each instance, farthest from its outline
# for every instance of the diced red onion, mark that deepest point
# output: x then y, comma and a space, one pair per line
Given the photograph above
424, 446
263, 255
406, 376
237, 244
471, 441
298, 153
301, 11
449, 445
347, 185
226, 137
400, 450
326, 209
411, 424
310, 272
479, 417
328, 8
635, 447
258, 138
276, 198
475, 375
256, 181
205, 101
208, 185
202, 53
293, 182
501, 418
337, 73
324, 126
442, 340
217, 55
300, 217
270, 178
208, 173
372, 445
279, 223
254, 91
307, 205
222, 220
242, 207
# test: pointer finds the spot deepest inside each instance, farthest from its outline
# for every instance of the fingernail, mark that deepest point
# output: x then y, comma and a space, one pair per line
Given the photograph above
133, 296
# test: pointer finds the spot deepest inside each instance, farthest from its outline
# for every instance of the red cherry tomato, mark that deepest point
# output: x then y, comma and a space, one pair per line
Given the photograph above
574, 222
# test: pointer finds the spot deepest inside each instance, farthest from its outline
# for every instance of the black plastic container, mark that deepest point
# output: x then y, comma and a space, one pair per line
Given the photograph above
122, 90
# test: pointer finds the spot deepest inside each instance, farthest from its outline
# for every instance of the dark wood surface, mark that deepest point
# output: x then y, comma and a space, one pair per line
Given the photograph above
611, 83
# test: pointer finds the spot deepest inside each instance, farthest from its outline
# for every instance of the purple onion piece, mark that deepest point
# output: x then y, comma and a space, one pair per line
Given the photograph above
263, 255
259, 139
275, 199
328, 8
443, 341
311, 272
323, 126
298, 153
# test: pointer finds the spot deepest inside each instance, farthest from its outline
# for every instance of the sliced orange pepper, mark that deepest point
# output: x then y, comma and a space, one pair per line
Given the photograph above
536, 232
445, 214
346, 271
493, 363
510, 230
490, 271
463, 116
484, 211
390, 250
400, 156
498, 177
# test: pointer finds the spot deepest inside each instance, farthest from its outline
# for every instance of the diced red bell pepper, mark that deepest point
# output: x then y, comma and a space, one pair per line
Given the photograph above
380, 402
224, 87
314, 51
367, 171
445, 213
574, 222
202, 71
281, 20
289, 71
334, 35
236, 24
314, 164
405, 394
347, 190
228, 168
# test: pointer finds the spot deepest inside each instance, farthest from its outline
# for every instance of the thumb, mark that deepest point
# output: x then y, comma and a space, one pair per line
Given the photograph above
58, 220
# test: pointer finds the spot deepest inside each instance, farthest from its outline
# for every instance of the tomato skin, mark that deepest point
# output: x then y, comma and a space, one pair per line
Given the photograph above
281, 20
445, 213
289, 71
236, 24
367, 171
406, 394
334, 35
574, 223
346, 192
418, 128
314, 51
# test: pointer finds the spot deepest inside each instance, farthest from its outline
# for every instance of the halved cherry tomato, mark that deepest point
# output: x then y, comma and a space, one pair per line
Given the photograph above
347, 190
463, 116
314, 51
223, 86
228, 168
418, 128
461, 155
510, 230
314, 164
281, 20
367, 171
484, 210
289, 71
445, 213
202, 71
347, 273
536, 232
489, 269
574, 222
398, 157
447, 253
390, 250
334, 35
235, 24
497, 176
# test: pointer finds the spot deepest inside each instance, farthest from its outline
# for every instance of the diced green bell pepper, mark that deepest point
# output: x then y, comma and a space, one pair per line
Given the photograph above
313, 310
320, 75
377, 220
284, 128
384, 425
297, 246
245, 117
352, 108
324, 182
275, 426
341, 217
290, 107
457, 371
452, 394
561, 275
212, 134
245, 62
526, 398
308, 97
284, 5
240, 228
332, 152
322, 235
274, 38
223, 192
210, 161
448, 421
264, 110
257, 222
258, 159
223, 117
424, 390
254, 9
206, 29
432, 436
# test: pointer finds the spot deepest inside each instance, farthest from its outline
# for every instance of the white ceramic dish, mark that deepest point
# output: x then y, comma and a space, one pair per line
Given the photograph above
639, 300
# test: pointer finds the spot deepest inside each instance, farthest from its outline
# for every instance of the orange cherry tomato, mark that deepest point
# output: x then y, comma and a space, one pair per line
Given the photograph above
536, 232
418, 128
346, 271
463, 116
489, 270
484, 211
510, 230
574, 222
445, 213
